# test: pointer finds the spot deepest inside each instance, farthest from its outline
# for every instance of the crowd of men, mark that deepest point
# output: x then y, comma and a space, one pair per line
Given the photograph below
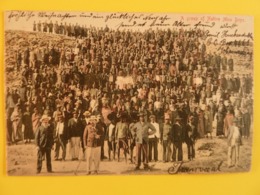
178, 92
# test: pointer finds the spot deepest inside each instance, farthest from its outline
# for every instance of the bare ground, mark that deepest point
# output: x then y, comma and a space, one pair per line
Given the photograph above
211, 155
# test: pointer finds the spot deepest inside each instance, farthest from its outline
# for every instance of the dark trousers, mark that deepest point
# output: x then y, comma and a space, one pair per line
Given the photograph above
132, 145
166, 150
41, 153
111, 148
102, 156
191, 151
177, 151
60, 143
122, 143
142, 149
153, 149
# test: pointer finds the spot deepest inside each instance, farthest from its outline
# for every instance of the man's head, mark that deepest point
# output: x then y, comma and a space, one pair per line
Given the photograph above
45, 120
75, 114
141, 117
178, 119
98, 117
92, 120
152, 118
87, 114
167, 118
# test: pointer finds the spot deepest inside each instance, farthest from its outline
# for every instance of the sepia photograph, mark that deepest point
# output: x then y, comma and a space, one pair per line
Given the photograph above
127, 93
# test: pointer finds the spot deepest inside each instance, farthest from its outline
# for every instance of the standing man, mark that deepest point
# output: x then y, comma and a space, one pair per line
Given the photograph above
44, 142
16, 118
142, 130
61, 137
154, 140
102, 127
190, 137
234, 142
177, 139
92, 143
166, 135
75, 131
110, 135
121, 136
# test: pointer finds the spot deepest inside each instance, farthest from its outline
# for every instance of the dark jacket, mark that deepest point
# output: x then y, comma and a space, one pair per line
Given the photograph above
190, 134
102, 128
44, 137
75, 129
178, 133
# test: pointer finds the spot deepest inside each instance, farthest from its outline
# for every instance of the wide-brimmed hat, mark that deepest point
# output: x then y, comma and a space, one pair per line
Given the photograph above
86, 113
152, 116
141, 114
45, 117
75, 112
178, 118
98, 116
78, 102
92, 118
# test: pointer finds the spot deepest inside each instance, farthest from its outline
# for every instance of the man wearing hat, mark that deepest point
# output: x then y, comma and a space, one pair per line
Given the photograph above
101, 126
56, 113
142, 130
154, 140
44, 142
110, 135
234, 142
177, 139
190, 137
166, 136
87, 115
85, 122
92, 144
121, 136
75, 132
61, 137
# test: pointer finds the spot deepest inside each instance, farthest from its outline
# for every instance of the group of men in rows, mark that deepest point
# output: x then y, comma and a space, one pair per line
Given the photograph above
172, 76
62, 28
90, 134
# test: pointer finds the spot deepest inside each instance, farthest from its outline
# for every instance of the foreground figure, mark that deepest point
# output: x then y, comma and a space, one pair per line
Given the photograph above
142, 130
92, 142
234, 142
44, 142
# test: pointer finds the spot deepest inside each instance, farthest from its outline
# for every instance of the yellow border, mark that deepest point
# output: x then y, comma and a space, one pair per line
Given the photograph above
232, 184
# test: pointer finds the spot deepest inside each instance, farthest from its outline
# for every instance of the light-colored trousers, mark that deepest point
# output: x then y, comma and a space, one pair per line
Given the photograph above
93, 155
74, 147
233, 153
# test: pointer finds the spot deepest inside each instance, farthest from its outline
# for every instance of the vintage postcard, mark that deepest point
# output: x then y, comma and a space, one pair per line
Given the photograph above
91, 93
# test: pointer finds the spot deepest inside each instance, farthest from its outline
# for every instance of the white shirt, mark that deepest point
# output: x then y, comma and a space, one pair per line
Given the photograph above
110, 130
235, 136
157, 133
60, 128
